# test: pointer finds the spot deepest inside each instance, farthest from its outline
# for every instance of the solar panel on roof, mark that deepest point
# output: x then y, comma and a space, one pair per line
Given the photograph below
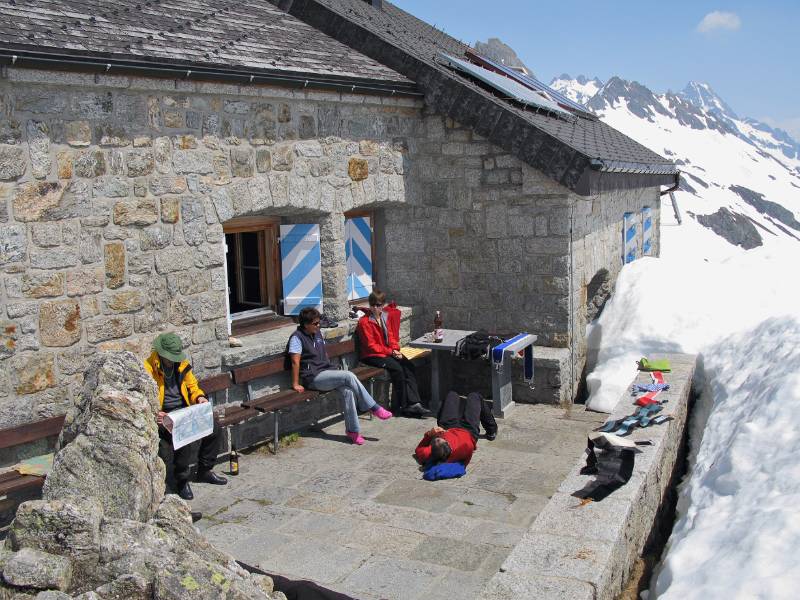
509, 87
535, 84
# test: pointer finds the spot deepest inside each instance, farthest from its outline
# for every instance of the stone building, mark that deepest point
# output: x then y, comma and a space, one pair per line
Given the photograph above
154, 158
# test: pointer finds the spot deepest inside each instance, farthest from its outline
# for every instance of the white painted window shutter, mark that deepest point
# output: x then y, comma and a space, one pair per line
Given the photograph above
628, 238
647, 231
358, 251
300, 268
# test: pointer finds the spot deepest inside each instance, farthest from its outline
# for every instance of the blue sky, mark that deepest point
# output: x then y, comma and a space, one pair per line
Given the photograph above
746, 51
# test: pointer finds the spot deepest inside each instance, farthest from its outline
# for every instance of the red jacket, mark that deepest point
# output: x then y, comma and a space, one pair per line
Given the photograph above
371, 338
462, 445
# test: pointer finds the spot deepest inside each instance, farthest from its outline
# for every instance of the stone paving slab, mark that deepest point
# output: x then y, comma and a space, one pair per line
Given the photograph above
574, 546
360, 520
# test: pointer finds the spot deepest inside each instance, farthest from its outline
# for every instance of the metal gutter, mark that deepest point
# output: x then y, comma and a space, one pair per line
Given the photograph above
116, 66
618, 166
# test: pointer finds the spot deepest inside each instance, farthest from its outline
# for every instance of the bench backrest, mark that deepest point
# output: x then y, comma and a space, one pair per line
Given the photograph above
275, 364
31, 432
259, 369
215, 383
341, 348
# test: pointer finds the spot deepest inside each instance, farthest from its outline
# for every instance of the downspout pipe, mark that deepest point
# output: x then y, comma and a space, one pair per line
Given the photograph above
674, 187
672, 198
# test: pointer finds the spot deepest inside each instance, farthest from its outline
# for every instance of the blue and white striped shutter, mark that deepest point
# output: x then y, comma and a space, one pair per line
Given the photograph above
358, 251
647, 231
628, 237
300, 267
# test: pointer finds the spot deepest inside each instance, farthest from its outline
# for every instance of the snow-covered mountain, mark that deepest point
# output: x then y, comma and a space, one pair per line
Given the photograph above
580, 89
740, 177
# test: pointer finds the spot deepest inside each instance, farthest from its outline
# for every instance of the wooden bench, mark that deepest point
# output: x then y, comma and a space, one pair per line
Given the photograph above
275, 402
13, 483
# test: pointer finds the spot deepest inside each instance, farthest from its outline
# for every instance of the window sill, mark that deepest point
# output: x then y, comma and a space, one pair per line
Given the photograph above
252, 326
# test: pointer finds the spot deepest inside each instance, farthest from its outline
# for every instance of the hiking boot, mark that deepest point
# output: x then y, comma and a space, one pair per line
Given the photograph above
208, 476
416, 410
491, 434
185, 491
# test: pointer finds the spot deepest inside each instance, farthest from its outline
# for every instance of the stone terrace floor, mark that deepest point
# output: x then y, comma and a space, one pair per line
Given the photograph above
362, 521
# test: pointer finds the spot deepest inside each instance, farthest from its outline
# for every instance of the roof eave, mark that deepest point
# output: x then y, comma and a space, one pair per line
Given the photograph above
446, 95
143, 66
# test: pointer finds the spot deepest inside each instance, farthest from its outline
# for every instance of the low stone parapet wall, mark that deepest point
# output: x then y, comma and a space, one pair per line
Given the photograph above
586, 551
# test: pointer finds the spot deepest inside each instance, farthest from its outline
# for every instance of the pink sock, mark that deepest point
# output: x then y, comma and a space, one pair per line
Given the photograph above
355, 437
381, 412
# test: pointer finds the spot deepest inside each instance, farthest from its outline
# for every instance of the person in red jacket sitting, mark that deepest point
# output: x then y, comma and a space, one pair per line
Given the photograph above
379, 347
456, 437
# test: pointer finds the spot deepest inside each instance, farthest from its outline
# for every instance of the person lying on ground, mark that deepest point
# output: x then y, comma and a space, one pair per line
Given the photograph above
178, 388
379, 347
456, 436
311, 366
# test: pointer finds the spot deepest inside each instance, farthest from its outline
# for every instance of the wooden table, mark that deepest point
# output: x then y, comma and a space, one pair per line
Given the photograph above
440, 361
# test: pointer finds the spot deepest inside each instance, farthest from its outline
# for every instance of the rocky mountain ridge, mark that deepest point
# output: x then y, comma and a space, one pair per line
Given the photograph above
496, 50
740, 177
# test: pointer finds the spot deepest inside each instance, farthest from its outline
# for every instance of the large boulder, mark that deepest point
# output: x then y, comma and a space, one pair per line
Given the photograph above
109, 445
62, 528
104, 529
30, 568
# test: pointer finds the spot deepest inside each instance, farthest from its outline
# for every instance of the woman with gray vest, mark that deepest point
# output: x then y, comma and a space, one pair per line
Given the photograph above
310, 365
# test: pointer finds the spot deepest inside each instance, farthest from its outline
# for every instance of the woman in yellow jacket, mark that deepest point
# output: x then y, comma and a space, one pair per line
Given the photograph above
178, 388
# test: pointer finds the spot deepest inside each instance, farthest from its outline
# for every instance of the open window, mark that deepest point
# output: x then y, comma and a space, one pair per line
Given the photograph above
253, 271
360, 254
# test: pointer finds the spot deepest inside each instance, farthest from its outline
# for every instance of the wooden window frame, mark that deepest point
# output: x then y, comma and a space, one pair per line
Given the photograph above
270, 278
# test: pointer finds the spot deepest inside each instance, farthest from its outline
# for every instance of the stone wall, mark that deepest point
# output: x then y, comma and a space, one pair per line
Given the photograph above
488, 239
113, 192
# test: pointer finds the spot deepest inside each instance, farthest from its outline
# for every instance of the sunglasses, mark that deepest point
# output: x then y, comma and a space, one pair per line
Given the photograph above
315, 323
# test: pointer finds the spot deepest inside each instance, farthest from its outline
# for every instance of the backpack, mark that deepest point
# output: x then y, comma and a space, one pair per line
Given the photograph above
476, 345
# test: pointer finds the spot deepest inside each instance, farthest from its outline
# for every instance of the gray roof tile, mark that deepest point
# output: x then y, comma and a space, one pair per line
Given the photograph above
592, 138
247, 35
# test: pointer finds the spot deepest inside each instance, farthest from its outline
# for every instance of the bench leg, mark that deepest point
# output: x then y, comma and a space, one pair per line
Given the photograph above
275, 434
371, 393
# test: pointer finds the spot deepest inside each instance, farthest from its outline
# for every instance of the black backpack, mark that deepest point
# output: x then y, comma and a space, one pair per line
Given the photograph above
476, 345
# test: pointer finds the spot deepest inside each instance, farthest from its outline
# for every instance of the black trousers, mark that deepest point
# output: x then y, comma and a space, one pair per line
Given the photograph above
404, 379
455, 413
469, 414
181, 459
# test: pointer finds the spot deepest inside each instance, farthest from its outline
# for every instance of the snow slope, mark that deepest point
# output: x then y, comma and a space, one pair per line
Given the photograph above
738, 528
741, 180
580, 89
738, 531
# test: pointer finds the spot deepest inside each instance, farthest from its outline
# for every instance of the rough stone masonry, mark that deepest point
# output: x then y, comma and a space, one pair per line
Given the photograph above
103, 528
115, 190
